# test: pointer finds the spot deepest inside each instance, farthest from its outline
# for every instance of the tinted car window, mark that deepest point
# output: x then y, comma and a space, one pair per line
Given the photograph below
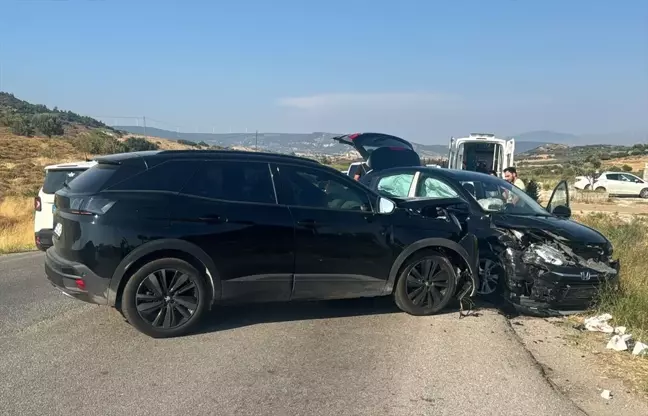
232, 181
318, 189
101, 176
167, 176
55, 178
396, 185
434, 188
613, 176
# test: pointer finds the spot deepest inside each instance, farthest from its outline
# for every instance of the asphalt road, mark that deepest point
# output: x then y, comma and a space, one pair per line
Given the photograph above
59, 356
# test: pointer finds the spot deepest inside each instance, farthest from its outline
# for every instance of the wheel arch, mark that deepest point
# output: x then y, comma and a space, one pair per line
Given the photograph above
163, 248
455, 251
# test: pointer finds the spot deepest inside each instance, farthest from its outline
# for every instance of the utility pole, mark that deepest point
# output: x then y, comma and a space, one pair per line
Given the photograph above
144, 119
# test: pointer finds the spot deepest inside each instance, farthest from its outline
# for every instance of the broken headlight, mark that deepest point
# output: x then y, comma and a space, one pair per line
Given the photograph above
549, 255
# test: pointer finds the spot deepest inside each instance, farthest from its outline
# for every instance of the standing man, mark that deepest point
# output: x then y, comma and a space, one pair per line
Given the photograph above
510, 175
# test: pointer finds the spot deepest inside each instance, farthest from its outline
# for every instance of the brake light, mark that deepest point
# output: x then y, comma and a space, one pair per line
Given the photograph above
90, 206
80, 284
37, 204
354, 136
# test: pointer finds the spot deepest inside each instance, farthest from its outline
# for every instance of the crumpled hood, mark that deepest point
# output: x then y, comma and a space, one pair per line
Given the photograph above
566, 228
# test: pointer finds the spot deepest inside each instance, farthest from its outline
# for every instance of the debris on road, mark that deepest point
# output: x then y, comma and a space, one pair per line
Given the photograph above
640, 349
606, 394
619, 342
599, 324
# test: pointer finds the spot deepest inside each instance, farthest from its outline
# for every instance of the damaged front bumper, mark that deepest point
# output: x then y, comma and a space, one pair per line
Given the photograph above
551, 279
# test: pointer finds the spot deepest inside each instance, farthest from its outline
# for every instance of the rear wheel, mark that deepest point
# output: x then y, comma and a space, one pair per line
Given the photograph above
426, 285
165, 298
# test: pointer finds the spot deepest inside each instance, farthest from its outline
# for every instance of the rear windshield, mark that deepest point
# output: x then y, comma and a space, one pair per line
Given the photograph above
100, 177
54, 179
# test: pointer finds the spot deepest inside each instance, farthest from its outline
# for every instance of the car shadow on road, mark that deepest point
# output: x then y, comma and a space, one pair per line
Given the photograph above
223, 318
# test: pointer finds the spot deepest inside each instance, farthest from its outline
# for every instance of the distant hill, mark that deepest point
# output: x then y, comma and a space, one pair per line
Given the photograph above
626, 138
299, 143
317, 143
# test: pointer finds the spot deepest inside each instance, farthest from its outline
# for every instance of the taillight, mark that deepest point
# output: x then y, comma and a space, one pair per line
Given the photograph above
37, 204
90, 206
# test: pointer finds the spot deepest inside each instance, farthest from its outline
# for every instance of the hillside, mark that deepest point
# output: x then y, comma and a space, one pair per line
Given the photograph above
32, 136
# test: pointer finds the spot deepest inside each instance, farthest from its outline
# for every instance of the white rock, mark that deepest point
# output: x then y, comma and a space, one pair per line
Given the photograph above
606, 394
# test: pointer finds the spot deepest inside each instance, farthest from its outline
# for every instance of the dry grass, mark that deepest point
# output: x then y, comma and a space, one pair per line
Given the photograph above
16, 224
630, 238
23, 160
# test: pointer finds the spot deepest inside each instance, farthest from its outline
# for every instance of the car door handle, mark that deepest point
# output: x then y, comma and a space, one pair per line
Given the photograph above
307, 223
213, 219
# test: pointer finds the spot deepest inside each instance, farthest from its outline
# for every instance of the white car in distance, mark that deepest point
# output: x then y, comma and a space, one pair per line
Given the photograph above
614, 183
55, 178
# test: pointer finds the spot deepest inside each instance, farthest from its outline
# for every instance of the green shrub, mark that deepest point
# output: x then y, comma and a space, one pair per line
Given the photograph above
21, 126
48, 124
533, 190
138, 144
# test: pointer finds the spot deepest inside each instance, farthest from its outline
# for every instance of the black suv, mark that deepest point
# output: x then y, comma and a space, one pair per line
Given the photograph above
164, 235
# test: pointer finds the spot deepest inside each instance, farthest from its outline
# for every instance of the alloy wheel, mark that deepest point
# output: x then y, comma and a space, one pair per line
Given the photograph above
167, 298
427, 283
488, 276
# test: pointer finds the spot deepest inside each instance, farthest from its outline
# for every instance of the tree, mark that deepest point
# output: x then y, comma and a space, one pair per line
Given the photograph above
138, 144
21, 126
626, 168
596, 163
48, 124
533, 190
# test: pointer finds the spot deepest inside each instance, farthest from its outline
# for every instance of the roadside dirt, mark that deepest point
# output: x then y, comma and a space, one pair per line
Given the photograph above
578, 365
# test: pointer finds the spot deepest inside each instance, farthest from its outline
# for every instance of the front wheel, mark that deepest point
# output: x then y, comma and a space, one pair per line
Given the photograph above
165, 298
600, 189
426, 285
644, 193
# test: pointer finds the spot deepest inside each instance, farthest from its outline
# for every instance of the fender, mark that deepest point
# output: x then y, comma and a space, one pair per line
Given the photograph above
467, 248
159, 245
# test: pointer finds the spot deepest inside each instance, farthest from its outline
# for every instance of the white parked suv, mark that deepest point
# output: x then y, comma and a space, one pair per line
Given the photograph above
615, 183
55, 178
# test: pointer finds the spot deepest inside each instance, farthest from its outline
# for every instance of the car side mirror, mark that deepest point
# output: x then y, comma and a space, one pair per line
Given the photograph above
385, 206
562, 211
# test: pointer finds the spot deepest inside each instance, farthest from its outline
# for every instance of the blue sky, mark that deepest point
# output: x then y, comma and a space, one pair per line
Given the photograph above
423, 69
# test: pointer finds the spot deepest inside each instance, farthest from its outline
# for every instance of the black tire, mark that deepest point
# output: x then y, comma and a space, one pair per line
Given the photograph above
600, 189
164, 310
420, 293
587, 187
644, 193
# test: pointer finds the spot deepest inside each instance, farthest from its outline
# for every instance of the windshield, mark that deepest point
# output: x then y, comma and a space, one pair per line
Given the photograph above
497, 195
54, 179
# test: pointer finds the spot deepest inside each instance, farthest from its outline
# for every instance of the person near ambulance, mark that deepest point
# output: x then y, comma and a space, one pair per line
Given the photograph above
510, 176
